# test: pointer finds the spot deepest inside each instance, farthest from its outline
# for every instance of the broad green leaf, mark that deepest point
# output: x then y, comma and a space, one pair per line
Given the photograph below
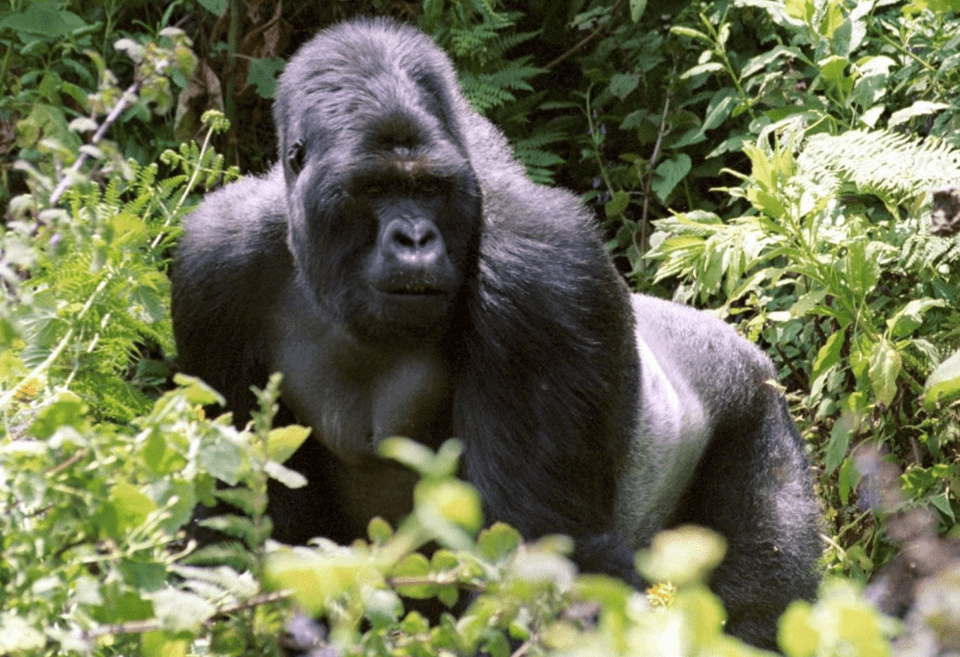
871, 86
800, 9
720, 107
263, 75
885, 365
623, 84
684, 555
909, 318
829, 354
942, 503
831, 70
223, 459
669, 174
943, 385
317, 578
43, 19
181, 611
919, 108
162, 644
935, 6
843, 429
159, 457
215, 7
636, 9
126, 509
861, 267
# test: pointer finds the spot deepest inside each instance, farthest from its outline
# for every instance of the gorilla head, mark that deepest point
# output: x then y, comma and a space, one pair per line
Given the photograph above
383, 208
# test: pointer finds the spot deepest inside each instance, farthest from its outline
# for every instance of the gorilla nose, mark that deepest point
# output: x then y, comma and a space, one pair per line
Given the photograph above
414, 244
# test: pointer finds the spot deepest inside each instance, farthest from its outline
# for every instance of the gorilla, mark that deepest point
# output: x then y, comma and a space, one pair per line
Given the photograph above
404, 275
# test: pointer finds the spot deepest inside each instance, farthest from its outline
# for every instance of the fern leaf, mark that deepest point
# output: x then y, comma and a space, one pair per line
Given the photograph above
894, 167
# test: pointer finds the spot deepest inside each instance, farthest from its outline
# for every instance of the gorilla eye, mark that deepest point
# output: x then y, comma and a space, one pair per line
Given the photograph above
375, 189
433, 186
295, 156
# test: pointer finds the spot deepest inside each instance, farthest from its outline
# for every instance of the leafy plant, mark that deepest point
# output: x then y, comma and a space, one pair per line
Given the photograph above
817, 269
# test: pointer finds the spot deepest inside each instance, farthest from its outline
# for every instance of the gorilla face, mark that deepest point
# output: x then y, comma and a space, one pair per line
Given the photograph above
384, 210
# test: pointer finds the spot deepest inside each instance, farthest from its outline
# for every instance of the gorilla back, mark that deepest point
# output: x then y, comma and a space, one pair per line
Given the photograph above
407, 279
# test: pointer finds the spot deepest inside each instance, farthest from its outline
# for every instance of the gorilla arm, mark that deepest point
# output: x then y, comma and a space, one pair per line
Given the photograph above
231, 261
545, 371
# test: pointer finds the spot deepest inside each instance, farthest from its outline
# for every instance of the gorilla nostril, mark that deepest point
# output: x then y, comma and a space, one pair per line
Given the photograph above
413, 237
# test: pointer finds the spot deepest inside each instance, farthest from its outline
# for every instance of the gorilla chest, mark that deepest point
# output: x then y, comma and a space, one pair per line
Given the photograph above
354, 396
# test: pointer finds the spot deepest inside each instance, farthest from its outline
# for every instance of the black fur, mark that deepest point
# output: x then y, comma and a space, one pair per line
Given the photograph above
406, 278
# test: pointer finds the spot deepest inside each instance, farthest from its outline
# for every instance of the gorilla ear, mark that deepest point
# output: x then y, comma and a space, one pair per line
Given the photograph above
295, 156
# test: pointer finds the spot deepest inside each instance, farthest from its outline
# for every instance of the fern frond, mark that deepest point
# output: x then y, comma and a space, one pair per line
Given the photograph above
894, 167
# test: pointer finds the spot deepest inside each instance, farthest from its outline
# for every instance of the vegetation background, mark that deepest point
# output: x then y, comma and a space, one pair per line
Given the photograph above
772, 161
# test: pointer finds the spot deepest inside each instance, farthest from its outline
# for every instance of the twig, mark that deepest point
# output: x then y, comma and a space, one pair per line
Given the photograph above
583, 42
151, 624
125, 99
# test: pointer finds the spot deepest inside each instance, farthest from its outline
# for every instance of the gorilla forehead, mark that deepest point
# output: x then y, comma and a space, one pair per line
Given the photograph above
364, 70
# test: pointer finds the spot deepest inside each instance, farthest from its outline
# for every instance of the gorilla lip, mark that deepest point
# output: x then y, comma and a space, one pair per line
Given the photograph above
411, 287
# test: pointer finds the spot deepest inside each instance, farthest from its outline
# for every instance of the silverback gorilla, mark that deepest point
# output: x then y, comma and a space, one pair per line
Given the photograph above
407, 279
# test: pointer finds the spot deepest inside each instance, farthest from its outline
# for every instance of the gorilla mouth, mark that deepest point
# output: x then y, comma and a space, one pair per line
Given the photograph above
418, 290
411, 287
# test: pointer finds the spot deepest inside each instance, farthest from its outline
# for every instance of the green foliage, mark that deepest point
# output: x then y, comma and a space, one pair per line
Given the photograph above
56, 79
826, 268
835, 118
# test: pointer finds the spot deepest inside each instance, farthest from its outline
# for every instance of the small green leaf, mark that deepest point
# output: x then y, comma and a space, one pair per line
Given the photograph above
679, 30
798, 635
196, 391
453, 500
684, 555
379, 531
68, 410
286, 476
616, 205
414, 566
284, 441
498, 542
